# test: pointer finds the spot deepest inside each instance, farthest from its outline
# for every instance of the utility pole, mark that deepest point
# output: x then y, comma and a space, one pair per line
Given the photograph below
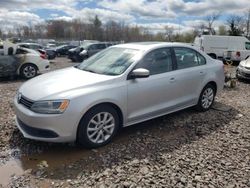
248, 23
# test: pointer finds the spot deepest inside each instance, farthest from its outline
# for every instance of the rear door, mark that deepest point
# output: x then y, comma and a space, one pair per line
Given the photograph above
8, 65
190, 73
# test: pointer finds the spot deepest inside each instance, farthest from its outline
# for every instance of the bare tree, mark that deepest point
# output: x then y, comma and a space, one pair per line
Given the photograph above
169, 32
222, 30
210, 21
248, 23
235, 24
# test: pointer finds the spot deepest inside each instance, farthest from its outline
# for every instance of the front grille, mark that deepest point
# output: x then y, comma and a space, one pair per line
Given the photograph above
247, 68
245, 74
25, 102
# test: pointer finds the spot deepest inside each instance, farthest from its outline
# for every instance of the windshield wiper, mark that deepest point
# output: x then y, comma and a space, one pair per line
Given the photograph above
90, 71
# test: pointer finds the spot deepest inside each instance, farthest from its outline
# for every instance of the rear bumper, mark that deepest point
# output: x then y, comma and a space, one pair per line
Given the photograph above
45, 66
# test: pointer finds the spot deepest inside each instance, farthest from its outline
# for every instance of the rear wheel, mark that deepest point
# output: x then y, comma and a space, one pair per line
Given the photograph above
206, 98
98, 126
28, 71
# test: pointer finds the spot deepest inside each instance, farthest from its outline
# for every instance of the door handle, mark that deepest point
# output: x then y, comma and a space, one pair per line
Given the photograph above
172, 80
201, 72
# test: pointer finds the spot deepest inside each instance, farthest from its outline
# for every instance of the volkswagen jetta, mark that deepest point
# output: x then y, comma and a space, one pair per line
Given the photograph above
119, 86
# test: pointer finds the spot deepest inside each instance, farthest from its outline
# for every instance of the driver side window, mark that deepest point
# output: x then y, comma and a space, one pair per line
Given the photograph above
157, 61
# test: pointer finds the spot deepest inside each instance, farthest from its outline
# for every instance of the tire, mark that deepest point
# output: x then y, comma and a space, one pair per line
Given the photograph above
93, 132
28, 71
206, 98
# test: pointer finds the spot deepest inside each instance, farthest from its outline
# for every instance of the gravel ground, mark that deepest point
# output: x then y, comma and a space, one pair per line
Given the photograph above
183, 149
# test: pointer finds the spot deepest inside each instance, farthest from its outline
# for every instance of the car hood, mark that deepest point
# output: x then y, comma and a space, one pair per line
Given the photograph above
245, 63
59, 84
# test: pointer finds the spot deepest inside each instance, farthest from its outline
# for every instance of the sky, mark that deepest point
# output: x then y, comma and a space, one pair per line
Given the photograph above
182, 15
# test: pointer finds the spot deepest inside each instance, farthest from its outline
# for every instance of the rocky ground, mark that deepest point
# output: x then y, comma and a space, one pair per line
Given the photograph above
184, 149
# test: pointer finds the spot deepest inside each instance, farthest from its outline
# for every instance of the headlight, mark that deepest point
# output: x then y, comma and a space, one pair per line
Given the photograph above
50, 107
241, 66
84, 52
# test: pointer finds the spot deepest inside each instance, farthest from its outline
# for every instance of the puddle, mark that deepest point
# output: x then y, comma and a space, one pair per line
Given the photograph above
9, 169
55, 157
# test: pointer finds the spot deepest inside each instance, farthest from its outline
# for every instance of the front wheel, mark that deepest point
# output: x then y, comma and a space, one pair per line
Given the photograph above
98, 126
206, 98
28, 71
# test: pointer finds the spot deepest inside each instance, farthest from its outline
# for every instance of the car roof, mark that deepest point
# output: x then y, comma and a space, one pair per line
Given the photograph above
151, 45
28, 43
29, 50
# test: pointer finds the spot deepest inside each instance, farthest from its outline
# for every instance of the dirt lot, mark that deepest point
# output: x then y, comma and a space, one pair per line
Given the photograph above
184, 149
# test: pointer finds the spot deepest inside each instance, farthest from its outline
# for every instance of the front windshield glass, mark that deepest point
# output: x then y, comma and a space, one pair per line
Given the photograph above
112, 61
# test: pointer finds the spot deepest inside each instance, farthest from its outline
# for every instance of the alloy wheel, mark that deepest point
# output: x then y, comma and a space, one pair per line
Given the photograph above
207, 98
101, 127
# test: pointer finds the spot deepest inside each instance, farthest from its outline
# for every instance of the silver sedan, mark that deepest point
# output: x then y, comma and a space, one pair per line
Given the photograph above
117, 87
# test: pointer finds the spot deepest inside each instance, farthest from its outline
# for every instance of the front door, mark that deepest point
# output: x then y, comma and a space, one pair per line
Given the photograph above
154, 95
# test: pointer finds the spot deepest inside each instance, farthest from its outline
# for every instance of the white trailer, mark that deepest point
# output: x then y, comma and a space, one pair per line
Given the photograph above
234, 48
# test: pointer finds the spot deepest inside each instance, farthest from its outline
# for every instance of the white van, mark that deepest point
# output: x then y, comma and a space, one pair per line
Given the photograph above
235, 48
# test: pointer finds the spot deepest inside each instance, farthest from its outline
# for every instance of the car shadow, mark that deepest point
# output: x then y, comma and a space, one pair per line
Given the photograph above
147, 140
244, 81
8, 79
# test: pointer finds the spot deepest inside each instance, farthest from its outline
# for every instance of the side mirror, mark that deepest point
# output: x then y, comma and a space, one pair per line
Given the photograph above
139, 73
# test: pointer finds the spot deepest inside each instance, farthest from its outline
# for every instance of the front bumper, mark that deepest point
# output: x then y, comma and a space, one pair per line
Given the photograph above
45, 127
243, 73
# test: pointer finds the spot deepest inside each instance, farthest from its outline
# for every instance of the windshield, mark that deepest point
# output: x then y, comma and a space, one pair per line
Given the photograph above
112, 61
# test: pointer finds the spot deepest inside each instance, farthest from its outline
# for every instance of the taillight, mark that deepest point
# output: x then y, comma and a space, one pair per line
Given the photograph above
43, 56
238, 54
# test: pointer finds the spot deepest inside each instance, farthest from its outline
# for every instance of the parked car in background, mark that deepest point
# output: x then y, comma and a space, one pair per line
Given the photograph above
243, 70
63, 49
234, 48
25, 62
49, 53
117, 87
92, 49
51, 45
85, 51
33, 46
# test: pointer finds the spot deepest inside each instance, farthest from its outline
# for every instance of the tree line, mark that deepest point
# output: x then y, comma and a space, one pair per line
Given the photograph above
94, 29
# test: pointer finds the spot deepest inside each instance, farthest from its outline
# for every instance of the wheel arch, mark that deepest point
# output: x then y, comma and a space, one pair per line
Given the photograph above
213, 55
113, 105
213, 83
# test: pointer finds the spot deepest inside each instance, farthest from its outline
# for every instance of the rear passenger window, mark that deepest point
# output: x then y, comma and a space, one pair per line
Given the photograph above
157, 62
101, 46
186, 58
201, 59
93, 47
21, 51
247, 44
